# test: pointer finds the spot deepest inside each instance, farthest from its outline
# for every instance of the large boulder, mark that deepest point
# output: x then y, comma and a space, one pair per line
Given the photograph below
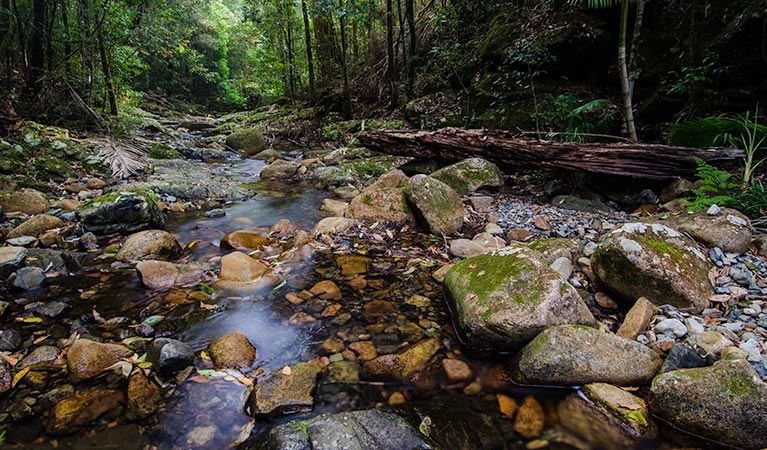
726, 402
285, 391
607, 416
36, 226
568, 355
469, 175
436, 204
248, 141
730, 230
86, 358
383, 201
655, 262
280, 170
121, 212
27, 201
149, 244
503, 299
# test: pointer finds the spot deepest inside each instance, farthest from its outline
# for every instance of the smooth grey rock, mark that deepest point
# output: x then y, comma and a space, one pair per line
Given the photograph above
469, 175
29, 278
169, 356
149, 244
436, 205
11, 259
673, 327
682, 356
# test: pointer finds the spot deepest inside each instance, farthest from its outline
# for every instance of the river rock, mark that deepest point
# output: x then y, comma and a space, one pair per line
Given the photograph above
41, 358
28, 278
238, 266
285, 391
469, 175
400, 366
466, 248
269, 154
682, 356
712, 343
372, 429
248, 141
730, 231
334, 207
678, 188
6, 381
169, 356
36, 226
280, 170
503, 299
149, 244
157, 274
87, 359
233, 351
607, 417
11, 259
82, 408
243, 239
530, 418
567, 355
637, 319
726, 402
121, 212
144, 396
552, 249
383, 201
10, 340
435, 204
656, 262
333, 225
27, 201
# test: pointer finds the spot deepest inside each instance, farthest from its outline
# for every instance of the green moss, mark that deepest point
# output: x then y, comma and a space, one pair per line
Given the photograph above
664, 248
638, 417
163, 151
112, 196
366, 200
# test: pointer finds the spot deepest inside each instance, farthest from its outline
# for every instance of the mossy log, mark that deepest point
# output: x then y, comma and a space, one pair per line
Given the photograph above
647, 161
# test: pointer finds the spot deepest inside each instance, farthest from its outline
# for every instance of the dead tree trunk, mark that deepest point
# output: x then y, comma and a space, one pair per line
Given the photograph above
647, 161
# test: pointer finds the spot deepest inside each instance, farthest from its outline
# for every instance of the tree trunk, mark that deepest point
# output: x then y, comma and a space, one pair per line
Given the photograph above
36, 52
634, 53
647, 161
86, 46
391, 61
5, 42
344, 70
308, 42
49, 54
67, 37
105, 68
410, 16
628, 107
291, 63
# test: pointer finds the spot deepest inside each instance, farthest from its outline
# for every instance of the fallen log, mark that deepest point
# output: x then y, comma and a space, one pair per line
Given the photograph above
647, 161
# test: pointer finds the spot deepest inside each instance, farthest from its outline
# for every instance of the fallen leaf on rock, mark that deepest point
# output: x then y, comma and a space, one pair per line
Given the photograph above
19, 375
287, 370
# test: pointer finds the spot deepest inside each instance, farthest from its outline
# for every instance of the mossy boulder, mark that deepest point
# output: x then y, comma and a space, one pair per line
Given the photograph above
72, 413
726, 402
503, 299
342, 154
285, 391
730, 231
163, 151
383, 201
607, 416
655, 262
27, 201
121, 212
437, 206
552, 249
248, 141
469, 175
401, 366
280, 170
149, 244
571, 355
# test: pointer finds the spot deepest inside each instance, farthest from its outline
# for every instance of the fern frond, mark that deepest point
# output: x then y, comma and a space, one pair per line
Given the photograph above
597, 105
121, 157
712, 131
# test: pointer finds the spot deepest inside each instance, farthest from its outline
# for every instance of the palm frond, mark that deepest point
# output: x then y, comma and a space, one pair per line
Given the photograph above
121, 157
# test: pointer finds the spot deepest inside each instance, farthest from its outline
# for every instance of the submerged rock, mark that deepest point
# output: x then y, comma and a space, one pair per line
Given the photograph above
285, 391
233, 351
503, 299
144, 396
238, 266
121, 212
469, 175
243, 239
87, 359
401, 366
169, 356
436, 204
29, 278
36, 226
568, 355
82, 408
726, 402
149, 244
655, 262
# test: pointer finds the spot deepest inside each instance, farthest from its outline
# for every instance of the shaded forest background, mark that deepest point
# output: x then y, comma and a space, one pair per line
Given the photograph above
517, 65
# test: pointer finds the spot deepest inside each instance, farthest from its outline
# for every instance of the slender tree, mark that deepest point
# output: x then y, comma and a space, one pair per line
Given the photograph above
309, 56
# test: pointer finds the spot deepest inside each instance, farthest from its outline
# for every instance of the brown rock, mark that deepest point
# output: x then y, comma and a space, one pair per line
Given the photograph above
376, 310
519, 234
82, 408
401, 366
530, 418
149, 244
456, 370
50, 239
605, 301
353, 264
331, 345
365, 350
334, 207
68, 204
87, 359
285, 391
27, 201
383, 201
238, 266
36, 226
233, 351
157, 274
75, 187
327, 290
243, 239
144, 396
96, 183
507, 405
637, 319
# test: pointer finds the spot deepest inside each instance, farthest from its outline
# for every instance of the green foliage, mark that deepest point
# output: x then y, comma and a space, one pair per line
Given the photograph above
717, 187
569, 118
750, 139
682, 80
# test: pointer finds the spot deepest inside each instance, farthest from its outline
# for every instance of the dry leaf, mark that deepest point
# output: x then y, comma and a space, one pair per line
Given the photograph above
287, 370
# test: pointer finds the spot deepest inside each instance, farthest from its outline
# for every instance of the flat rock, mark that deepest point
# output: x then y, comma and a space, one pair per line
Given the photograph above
383, 201
121, 212
70, 414
157, 274
400, 366
280, 170
238, 266
466, 248
726, 402
436, 205
503, 299
333, 225
655, 262
568, 355
730, 230
87, 359
469, 175
607, 417
233, 351
149, 244
11, 259
36, 225
29, 278
27, 201
285, 391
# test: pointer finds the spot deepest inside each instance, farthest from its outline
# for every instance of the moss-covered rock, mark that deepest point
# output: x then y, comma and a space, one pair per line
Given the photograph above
469, 175
437, 206
655, 262
285, 391
121, 212
70, 414
163, 151
503, 299
248, 141
383, 201
568, 355
552, 249
731, 230
726, 402
27, 201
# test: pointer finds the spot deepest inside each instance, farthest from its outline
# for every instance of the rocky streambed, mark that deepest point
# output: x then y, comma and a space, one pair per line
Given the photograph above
330, 300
